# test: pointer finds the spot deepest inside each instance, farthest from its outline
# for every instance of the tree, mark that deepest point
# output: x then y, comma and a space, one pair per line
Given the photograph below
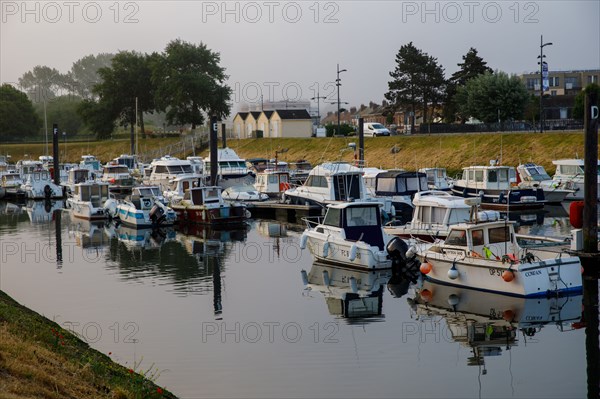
578, 107
17, 117
190, 82
98, 117
471, 67
128, 78
492, 97
63, 111
42, 83
83, 75
418, 80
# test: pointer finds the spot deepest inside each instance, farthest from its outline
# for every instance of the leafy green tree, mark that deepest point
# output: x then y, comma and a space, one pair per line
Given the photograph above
418, 80
492, 97
190, 83
42, 83
472, 66
98, 117
18, 119
578, 107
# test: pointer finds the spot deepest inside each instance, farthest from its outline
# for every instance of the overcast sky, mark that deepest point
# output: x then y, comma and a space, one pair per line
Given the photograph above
289, 49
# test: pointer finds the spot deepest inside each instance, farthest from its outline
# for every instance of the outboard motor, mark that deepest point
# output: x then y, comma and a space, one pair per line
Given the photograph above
405, 265
157, 214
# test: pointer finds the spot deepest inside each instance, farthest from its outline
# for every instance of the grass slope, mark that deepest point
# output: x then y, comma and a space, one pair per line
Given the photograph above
39, 359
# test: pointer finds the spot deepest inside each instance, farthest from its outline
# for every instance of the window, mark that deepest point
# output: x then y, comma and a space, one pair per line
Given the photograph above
458, 216
412, 184
502, 175
592, 79
160, 169
457, 237
425, 215
477, 236
492, 176
361, 216
437, 215
499, 234
386, 184
479, 175
471, 175
332, 218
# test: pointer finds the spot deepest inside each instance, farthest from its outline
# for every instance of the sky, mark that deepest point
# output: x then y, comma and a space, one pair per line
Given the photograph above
289, 50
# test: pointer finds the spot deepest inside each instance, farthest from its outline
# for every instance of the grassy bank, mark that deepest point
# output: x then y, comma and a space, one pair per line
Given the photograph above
39, 359
452, 151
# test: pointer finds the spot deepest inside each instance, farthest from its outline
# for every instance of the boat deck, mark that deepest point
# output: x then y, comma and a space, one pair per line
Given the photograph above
277, 210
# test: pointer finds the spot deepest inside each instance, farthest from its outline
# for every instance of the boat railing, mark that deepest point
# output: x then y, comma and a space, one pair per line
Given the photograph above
313, 221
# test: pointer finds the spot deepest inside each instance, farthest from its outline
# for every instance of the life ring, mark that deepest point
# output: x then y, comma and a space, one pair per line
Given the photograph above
284, 186
476, 254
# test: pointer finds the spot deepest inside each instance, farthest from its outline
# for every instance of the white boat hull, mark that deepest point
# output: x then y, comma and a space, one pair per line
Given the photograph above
538, 278
85, 210
330, 250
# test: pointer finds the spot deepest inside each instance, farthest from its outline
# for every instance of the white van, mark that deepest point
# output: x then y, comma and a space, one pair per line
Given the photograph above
375, 129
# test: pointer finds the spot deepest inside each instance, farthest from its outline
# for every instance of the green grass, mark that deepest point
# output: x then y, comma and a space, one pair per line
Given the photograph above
39, 359
452, 151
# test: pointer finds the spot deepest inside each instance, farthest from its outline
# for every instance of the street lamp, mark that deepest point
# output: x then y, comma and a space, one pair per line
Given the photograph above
542, 63
338, 84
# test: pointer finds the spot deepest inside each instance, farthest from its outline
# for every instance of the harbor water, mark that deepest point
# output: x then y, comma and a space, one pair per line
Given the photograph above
225, 313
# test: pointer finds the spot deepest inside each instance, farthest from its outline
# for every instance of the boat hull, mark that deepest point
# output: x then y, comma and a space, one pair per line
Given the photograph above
214, 216
517, 200
85, 210
540, 278
338, 253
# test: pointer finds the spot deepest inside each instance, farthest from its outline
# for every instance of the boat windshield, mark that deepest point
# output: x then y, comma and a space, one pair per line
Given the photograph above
361, 216
457, 237
538, 174
148, 191
459, 215
332, 218
245, 188
116, 169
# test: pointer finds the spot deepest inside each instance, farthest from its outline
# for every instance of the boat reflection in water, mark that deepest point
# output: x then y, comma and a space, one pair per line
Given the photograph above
352, 294
488, 322
87, 234
41, 212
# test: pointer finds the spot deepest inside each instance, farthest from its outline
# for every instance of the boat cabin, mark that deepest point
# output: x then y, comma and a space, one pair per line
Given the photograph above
393, 183
96, 193
230, 165
89, 162
360, 222
490, 240
492, 177
437, 179
531, 172
273, 182
127, 160
143, 197
439, 208
78, 175
205, 195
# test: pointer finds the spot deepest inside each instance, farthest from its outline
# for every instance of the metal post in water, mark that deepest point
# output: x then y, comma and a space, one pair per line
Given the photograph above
361, 141
224, 135
55, 153
590, 315
214, 154
590, 174
58, 236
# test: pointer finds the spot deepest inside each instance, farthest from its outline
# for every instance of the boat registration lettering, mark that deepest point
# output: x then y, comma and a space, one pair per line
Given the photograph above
533, 273
496, 272
347, 253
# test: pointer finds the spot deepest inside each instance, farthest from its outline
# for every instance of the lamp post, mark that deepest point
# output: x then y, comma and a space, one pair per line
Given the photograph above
338, 84
541, 62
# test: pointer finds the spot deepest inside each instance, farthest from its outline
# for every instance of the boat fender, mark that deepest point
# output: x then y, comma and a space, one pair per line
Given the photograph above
325, 249
425, 268
304, 277
47, 191
508, 276
453, 273
353, 250
353, 285
453, 300
303, 240
326, 280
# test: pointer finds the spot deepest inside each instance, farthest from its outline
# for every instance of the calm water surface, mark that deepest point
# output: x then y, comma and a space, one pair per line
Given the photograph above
226, 314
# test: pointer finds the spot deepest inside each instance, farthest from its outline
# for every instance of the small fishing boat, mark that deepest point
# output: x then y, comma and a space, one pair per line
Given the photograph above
244, 193
350, 235
232, 170
435, 212
10, 184
179, 185
486, 256
87, 200
272, 182
119, 177
497, 188
144, 208
437, 179
534, 176
205, 205
39, 185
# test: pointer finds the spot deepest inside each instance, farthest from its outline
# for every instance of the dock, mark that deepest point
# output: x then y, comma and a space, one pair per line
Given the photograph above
281, 211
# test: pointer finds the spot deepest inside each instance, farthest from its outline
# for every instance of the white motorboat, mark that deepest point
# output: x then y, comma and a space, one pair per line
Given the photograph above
205, 205
10, 184
91, 163
435, 212
244, 193
87, 200
181, 184
39, 185
569, 175
272, 182
486, 256
119, 177
232, 170
496, 186
144, 208
350, 235
534, 176
334, 183
165, 170
299, 171
41, 212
